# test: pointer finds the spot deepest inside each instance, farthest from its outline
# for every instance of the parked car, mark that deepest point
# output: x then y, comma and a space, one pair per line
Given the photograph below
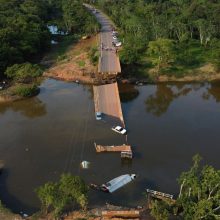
119, 130
114, 33
114, 38
118, 44
98, 116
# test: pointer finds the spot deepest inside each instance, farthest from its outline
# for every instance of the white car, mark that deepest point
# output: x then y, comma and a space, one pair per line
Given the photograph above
114, 38
98, 116
118, 44
119, 130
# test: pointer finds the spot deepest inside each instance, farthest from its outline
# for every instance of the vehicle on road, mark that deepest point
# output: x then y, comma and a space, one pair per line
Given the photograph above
114, 33
119, 130
98, 116
114, 37
118, 44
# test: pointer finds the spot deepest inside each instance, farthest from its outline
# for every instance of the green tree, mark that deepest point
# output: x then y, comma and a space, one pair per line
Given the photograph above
69, 190
199, 196
159, 210
200, 192
23, 72
162, 52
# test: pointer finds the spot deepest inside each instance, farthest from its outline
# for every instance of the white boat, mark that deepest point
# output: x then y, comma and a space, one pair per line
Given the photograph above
85, 164
117, 182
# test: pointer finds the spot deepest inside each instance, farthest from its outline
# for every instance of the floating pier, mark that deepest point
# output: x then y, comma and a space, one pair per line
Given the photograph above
161, 195
125, 150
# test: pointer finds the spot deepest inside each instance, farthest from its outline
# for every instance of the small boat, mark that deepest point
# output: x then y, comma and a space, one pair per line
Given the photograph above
117, 183
85, 164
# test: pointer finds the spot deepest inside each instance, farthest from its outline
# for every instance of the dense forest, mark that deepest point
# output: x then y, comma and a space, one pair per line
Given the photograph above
185, 33
24, 33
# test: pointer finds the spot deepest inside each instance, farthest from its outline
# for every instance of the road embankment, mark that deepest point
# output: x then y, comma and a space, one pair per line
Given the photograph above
76, 64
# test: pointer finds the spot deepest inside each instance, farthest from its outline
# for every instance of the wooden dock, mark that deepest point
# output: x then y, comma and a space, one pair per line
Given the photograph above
113, 148
161, 195
125, 150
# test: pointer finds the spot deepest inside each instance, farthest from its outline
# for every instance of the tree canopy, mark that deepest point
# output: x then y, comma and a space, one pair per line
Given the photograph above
200, 192
183, 22
24, 33
69, 190
199, 196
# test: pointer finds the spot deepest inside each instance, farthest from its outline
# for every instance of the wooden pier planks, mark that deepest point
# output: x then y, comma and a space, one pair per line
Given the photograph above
120, 148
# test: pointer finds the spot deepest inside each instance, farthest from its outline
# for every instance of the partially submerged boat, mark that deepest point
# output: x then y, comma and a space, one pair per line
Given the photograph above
117, 183
85, 164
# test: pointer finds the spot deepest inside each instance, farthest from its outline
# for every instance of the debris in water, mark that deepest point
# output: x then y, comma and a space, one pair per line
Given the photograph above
85, 164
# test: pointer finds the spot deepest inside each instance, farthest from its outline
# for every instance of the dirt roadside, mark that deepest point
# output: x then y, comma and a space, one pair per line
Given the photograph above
76, 65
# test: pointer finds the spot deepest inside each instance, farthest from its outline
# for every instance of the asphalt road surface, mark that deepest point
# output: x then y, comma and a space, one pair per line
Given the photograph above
107, 101
109, 61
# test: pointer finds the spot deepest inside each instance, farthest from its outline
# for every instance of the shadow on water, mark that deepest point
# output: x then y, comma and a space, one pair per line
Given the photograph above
213, 91
112, 120
159, 102
127, 92
6, 196
30, 108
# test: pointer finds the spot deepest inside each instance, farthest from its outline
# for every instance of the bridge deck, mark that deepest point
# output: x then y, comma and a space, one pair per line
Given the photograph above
107, 101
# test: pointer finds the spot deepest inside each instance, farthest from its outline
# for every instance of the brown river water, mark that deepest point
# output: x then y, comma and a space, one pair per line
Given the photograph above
44, 136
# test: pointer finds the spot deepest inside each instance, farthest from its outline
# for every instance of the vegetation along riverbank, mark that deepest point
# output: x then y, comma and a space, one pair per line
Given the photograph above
167, 40
29, 30
68, 198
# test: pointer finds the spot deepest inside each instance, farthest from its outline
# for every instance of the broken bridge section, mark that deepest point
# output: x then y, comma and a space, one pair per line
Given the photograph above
107, 101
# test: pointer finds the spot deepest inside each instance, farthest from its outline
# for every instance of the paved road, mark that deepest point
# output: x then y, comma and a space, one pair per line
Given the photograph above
107, 101
106, 97
109, 60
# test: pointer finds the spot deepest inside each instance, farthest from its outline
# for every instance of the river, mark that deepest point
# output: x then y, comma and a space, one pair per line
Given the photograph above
44, 136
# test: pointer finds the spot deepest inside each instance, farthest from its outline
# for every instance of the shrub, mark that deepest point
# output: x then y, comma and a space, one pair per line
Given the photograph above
23, 72
94, 55
26, 90
69, 190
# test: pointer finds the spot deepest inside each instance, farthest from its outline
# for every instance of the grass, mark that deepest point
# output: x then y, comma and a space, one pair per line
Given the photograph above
81, 63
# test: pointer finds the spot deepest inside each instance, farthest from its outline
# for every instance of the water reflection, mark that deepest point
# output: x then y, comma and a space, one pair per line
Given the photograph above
127, 92
213, 91
159, 102
30, 108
